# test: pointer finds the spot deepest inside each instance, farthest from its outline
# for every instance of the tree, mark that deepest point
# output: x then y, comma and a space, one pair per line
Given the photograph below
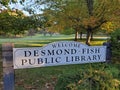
86, 14
12, 22
5, 22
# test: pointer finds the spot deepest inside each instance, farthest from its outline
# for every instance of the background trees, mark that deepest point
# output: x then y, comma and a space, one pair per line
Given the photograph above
14, 21
88, 15
11, 22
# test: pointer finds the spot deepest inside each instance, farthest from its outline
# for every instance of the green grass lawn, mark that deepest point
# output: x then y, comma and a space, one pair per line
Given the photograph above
35, 41
40, 40
36, 78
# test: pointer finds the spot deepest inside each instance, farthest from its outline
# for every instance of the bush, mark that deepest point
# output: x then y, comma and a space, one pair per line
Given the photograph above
115, 42
89, 79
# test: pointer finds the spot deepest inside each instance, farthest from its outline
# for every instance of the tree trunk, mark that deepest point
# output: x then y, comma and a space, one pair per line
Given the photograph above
76, 35
91, 36
88, 37
80, 35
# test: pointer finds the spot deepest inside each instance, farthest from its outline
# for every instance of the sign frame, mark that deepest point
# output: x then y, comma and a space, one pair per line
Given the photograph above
58, 53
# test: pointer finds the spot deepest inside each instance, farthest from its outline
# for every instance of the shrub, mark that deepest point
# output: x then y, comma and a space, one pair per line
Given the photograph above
89, 79
115, 42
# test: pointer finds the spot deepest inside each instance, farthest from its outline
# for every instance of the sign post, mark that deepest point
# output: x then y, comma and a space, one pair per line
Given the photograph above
8, 71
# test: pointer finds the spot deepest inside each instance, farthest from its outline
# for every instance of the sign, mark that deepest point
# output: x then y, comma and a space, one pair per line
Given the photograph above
58, 53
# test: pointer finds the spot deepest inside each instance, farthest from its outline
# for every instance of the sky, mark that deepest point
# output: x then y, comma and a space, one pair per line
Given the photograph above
20, 7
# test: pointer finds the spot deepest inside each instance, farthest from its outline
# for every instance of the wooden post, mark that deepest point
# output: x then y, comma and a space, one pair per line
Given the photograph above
8, 71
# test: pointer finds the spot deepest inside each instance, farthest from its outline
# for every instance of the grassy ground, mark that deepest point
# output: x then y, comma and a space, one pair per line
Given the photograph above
37, 78
40, 40
37, 40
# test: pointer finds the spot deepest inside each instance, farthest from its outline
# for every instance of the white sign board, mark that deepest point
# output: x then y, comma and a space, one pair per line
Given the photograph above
58, 53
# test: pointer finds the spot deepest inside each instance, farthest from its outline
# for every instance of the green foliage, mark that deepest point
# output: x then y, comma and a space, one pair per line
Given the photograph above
92, 78
4, 2
115, 41
68, 31
15, 23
